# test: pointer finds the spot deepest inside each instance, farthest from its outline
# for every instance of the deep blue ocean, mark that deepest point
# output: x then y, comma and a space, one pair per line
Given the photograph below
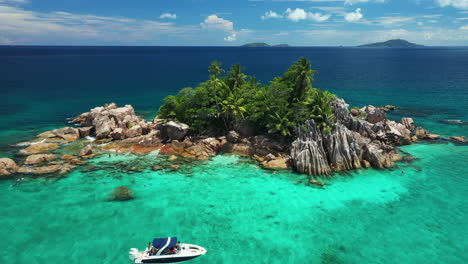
239, 212
42, 86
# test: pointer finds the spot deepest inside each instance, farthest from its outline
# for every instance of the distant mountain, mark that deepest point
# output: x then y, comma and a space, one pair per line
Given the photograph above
261, 44
393, 43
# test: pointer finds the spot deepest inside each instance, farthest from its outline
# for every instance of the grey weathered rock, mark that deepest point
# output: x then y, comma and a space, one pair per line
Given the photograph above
408, 122
88, 150
7, 167
232, 136
421, 132
67, 133
397, 133
342, 150
174, 130
117, 134
85, 131
103, 126
134, 131
308, 154
375, 115
39, 158
104, 120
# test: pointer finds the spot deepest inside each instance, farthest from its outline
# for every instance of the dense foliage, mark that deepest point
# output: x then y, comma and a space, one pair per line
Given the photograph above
227, 97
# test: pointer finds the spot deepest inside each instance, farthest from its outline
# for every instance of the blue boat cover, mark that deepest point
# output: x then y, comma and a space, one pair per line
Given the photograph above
168, 242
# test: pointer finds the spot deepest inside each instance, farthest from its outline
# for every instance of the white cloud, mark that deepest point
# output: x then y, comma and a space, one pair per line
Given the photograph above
393, 21
296, 14
318, 17
231, 37
352, 2
20, 26
168, 15
464, 27
354, 16
420, 23
20, 2
215, 22
271, 14
300, 14
462, 4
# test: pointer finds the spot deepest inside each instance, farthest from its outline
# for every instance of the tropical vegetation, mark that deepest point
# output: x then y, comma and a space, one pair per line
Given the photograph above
228, 97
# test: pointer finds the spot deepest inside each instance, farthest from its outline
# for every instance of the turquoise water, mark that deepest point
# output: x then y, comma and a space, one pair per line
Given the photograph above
244, 214
239, 212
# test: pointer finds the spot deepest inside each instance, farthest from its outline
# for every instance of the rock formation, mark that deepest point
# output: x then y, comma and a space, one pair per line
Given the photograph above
7, 167
39, 158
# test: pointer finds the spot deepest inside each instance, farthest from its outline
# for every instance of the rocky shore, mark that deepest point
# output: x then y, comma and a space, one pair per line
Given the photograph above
362, 138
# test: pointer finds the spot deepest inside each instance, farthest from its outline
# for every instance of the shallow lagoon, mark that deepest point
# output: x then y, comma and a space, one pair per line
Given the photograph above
244, 214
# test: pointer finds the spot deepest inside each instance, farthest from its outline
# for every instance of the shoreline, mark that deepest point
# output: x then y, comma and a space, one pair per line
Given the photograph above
55, 153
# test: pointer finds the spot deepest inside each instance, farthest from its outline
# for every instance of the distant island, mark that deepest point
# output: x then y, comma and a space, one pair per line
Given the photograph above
393, 43
261, 44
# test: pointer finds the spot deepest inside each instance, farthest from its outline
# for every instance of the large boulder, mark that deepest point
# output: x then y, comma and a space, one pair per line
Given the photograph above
39, 158
397, 133
67, 133
408, 122
38, 148
421, 133
7, 166
105, 120
103, 126
85, 131
374, 115
117, 134
134, 131
173, 130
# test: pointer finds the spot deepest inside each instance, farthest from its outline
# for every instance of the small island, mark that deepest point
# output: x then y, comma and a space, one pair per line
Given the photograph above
283, 124
262, 44
393, 43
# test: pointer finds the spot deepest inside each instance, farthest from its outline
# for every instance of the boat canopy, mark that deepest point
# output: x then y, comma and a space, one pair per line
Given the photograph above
163, 243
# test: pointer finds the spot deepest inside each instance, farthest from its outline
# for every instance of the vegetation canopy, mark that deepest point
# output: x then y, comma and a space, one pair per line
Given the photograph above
227, 97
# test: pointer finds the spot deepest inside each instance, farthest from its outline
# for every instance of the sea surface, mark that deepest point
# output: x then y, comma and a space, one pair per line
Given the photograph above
415, 213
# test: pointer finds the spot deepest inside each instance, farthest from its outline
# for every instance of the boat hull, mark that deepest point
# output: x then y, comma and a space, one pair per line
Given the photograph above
171, 260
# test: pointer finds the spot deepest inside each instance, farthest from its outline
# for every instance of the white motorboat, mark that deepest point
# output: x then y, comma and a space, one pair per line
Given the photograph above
166, 250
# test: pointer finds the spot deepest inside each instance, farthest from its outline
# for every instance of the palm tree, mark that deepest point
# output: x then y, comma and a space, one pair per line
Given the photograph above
215, 69
280, 123
236, 76
322, 111
301, 76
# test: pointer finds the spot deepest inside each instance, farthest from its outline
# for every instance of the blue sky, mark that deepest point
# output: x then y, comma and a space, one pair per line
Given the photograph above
231, 23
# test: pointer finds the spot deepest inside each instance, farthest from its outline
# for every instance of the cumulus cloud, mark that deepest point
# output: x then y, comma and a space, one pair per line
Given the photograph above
354, 16
231, 37
296, 14
271, 14
215, 22
168, 15
300, 14
462, 4
464, 27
